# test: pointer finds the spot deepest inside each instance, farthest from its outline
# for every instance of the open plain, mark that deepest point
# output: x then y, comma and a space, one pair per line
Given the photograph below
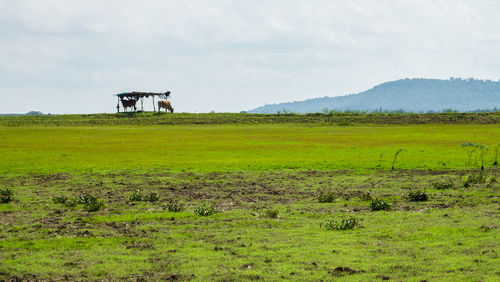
240, 196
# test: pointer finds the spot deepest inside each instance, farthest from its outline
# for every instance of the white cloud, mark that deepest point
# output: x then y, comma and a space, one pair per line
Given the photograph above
233, 55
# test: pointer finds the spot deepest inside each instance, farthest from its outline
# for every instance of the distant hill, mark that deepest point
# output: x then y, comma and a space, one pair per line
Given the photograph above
409, 95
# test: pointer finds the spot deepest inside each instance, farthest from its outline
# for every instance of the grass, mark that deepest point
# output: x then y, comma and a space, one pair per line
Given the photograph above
341, 119
237, 147
149, 181
451, 236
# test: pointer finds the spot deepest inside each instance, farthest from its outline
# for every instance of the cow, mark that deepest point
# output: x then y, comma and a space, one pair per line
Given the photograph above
129, 104
165, 104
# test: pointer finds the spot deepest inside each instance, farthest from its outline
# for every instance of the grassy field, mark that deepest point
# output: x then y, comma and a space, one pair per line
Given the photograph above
341, 118
264, 182
238, 147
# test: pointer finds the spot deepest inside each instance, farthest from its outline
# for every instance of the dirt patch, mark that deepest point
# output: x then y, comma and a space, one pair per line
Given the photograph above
139, 245
247, 266
45, 179
180, 277
343, 270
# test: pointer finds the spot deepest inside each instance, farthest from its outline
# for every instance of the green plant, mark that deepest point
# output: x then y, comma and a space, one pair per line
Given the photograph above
471, 148
5, 195
472, 179
418, 196
442, 185
365, 197
482, 148
90, 203
174, 206
344, 224
326, 197
85, 199
270, 214
136, 196
205, 210
395, 157
496, 154
71, 203
379, 204
93, 205
153, 197
492, 179
60, 199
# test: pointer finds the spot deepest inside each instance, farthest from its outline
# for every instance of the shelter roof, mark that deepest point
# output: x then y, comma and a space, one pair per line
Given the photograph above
136, 95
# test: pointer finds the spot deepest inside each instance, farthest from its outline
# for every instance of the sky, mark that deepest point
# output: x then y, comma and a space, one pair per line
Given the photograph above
70, 56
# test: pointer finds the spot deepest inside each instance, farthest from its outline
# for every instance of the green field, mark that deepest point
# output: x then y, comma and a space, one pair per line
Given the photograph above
341, 118
263, 175
237, 147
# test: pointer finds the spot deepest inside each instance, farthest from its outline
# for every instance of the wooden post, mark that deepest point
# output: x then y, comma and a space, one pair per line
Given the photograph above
154, 108
142, 104
118, 105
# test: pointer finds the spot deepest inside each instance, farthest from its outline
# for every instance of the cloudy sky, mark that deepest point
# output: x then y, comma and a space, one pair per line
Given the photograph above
70, 56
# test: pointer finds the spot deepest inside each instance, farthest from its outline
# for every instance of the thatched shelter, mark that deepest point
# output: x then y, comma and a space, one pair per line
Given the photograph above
136, 96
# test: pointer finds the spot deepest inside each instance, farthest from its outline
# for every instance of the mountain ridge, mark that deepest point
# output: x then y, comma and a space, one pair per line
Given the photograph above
409, 95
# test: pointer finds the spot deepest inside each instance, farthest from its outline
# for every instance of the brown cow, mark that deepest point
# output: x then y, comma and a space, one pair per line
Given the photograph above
165, 104
129, 104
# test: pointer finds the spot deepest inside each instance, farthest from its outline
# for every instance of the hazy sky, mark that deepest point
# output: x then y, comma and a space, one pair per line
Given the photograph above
70, 56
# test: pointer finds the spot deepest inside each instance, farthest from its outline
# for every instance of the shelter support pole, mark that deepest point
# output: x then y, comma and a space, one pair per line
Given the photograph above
154, 108
118, 105
142, 104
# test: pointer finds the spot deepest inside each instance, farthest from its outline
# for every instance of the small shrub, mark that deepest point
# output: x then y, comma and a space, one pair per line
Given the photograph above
5, 195
379, 204
417, 196
153, 197
365, 197
205, 210
442, 185
60, 199
492, 179
271, 213
472, 179
136, 197
70, 203
345, 224
94, 206
90, 203
175, 207
86, 199
326, 197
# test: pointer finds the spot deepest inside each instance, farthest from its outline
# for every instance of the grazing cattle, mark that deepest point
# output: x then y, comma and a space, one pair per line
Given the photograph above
129, 104
165, 104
